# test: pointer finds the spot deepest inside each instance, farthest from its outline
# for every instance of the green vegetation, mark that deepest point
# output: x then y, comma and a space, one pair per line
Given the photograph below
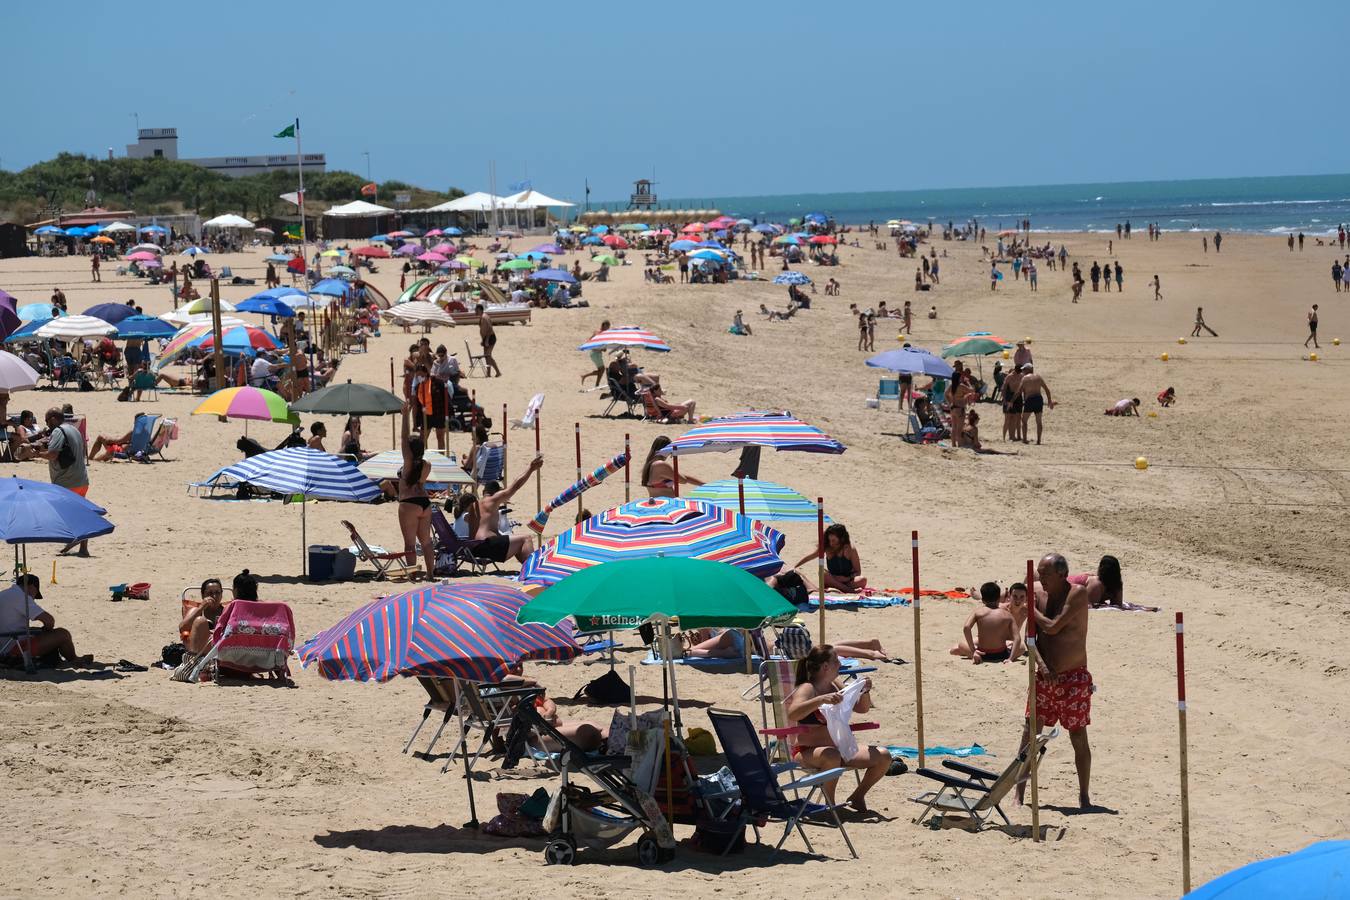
161, 186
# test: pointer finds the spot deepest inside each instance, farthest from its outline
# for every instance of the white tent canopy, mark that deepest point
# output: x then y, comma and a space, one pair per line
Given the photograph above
478, 201
118, 226
229, 220
531, 199
357, 209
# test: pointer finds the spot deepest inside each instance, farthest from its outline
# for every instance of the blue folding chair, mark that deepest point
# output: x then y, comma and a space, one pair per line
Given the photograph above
760, 795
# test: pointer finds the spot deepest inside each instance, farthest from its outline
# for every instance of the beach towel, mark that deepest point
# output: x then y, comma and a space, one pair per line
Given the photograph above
837, 716
854, 601
913, 752
575, 490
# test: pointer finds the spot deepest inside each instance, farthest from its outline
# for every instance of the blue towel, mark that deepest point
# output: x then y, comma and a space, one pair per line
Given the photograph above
874, 602
913, 752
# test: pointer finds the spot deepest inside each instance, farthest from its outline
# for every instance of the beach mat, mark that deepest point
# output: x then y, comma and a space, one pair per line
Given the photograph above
853, 602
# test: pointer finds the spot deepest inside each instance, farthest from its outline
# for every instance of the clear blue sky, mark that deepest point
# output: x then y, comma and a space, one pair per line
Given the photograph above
724, 99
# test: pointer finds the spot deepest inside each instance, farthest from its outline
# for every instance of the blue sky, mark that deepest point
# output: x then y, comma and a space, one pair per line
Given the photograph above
733, 100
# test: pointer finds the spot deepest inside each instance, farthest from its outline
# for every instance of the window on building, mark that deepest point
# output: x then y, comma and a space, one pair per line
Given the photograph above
159, 154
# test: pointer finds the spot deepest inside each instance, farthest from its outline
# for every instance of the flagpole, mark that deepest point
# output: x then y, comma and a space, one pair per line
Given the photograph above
300, 169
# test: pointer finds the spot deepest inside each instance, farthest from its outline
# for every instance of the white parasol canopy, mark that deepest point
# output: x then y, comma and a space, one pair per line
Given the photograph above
229, 220
15, 374
358, 208
418, 312
75, 327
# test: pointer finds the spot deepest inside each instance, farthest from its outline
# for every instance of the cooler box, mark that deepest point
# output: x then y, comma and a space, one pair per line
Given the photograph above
329, 563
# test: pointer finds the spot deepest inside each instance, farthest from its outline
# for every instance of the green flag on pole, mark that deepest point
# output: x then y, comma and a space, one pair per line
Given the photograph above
288, 131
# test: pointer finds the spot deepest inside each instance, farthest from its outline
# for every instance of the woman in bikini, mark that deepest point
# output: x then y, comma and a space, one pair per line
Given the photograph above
817, 685
843, 568
414, 506
658, 473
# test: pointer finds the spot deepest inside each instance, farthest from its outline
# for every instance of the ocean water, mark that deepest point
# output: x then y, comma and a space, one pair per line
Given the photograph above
1313, 204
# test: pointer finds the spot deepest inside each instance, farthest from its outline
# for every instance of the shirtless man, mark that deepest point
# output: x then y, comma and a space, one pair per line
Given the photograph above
1032, 402
996, 637
488, 336
1063, 682
1012, 404
1312, 325
485, 515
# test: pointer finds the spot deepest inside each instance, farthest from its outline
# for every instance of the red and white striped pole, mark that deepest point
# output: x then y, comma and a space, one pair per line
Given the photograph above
918, 644
1033, 732
1185, 785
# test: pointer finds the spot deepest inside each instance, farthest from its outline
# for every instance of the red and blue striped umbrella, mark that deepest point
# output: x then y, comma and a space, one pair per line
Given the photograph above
658, 526
439, 631
777, 430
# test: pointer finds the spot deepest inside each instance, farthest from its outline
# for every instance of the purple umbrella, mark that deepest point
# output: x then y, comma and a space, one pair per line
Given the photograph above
407, 250
550, 249
9, 315
454, 264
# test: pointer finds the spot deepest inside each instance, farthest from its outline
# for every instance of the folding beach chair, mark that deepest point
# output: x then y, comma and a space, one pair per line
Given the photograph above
460, 550
143, 382
163, 436
484, 708
777, 679
250, 638
531, 413
978, 794
619, 394
476, 360
888, 389
490, 462
441, 698
760, 795
384, 563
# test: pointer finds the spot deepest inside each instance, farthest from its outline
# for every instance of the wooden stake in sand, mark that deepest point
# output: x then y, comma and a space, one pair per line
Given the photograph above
538, 477
506, 440
918, 644
216, 336
740, 489
1032, 731
393, 435
675, 461
627, 474
577, 427
820, 563
1185, 786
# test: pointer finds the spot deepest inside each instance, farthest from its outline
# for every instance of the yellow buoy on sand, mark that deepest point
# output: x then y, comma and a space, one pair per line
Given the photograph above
1164, 357
1336, 341
1140, 463
1007, 355
1312, 356
1181, 340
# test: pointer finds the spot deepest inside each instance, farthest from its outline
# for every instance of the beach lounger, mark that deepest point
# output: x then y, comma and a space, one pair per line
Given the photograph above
760, 795
384, 563
976, 793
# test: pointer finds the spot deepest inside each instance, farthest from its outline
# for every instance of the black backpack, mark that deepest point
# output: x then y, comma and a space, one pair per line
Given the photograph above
608, 690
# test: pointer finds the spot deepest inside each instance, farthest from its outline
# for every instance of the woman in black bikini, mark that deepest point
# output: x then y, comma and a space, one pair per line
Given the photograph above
817, 685
658, 472
414, 506
842, 566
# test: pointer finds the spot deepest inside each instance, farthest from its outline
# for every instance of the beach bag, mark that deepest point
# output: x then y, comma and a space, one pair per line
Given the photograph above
793, 642
718, 836
608, 690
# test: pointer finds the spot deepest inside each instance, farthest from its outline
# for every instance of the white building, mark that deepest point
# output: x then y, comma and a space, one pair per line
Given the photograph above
162, 143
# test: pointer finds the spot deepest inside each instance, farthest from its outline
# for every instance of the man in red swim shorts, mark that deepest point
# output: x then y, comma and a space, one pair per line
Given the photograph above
1063, 683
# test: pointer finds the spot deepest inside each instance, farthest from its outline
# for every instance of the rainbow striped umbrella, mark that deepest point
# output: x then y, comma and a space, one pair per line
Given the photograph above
239, 339
247, 403
626, 337
764, 500
976, 343
658, 526
776, 430
179, 344
439, 631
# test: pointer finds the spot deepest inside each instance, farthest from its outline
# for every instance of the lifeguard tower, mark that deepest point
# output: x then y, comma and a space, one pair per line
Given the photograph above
642, 196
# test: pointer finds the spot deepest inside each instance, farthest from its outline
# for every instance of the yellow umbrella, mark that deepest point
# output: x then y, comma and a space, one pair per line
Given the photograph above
331, 253
203, 305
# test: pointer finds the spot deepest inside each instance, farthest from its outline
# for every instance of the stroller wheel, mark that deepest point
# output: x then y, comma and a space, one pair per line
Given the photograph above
560, 852
649, 852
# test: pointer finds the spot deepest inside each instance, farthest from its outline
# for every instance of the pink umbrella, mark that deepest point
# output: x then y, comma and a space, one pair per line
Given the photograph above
613, 240
444, 247
665, 232
400, 234
692, 228
432, 257
143, 256
435, 232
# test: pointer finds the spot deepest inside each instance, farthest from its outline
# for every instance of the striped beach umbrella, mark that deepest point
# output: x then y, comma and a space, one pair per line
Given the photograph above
247, 403
418, 312
312, 474
388, 464
239, 339
775, 430
75, 328
439, 631
625, 337
976, 343
180, 343
658, 526
764, 500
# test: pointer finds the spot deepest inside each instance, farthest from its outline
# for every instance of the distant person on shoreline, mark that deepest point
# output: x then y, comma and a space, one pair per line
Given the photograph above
1218, 239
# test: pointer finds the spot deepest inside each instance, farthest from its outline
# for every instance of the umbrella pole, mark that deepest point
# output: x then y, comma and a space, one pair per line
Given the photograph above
468, 780
627, 471
820, 563
579, 475
506, 438
674, 690
675, 460
393, 438
304, 557
740, 490
1033, 729
918, 658
1185, 781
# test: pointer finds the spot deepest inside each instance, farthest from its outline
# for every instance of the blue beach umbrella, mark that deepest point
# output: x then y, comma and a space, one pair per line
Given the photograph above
153, 229
49, 229
554, 275
1318, 870
312, 474
112, 313
684, 244
195, 251
766, 228
912, 361
452, 231
144, 327
278, 258
600, 229
26, 333
764, 500
39, 312
592, 240
331, 287
713, 245
37, 512
75, 231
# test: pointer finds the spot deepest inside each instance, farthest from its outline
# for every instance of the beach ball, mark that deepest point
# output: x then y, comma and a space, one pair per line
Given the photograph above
1140, 463
1007, 355
1164, 357
1181, 340
1336, 341
902, 337
1312, 356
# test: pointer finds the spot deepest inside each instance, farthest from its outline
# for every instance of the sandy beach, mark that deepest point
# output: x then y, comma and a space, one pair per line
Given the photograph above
135, 785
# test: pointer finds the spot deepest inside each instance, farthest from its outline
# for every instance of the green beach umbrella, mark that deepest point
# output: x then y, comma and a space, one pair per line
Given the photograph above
349, 400
975, 344
469, 261
512, 264
606, 259
628, 593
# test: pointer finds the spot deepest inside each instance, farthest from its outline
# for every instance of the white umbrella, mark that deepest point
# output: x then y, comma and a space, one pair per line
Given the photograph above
203, 305
118, 226
444, 469
149, 248
180, 318
229, 220
74, 327
15, 374
418, 312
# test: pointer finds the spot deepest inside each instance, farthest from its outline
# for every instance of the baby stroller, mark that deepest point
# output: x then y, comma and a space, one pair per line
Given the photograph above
579, 816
